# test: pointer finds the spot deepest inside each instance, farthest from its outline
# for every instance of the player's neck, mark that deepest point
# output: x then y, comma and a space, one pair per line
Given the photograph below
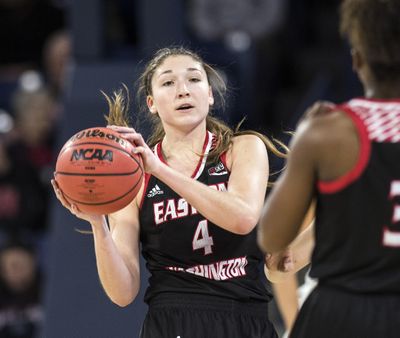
183, 153
391, 91
174, 144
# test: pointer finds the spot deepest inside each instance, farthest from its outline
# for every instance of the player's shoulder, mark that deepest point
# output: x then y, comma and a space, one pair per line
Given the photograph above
326, 128
247, 139
249, 143
322, 136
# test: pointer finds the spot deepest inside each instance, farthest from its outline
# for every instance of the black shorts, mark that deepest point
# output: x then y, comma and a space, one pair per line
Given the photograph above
332, 313
201, 316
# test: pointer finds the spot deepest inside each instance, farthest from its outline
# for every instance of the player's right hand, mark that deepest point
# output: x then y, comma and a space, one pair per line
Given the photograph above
93, 219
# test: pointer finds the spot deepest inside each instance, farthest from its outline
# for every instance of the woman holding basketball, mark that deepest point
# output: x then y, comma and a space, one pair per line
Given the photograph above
195, 214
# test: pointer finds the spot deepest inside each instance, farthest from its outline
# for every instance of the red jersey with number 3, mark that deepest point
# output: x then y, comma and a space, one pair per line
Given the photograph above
187, 253
358, 215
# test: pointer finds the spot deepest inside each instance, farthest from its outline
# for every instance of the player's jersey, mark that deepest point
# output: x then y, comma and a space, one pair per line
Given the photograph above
187, 253
358, 215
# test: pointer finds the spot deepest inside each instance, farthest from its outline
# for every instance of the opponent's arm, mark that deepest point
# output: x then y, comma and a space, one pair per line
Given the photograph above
292, 195
325, 147
280, 266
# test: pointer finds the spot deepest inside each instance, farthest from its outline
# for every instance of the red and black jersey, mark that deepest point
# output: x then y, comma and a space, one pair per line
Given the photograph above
358, 215
187, 253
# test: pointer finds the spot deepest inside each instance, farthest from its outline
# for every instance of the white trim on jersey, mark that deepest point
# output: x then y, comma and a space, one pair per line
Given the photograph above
381, 118
205, 155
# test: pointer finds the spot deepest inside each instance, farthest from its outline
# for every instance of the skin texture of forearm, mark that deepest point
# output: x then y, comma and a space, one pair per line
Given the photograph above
119, 283
302, 247
287, 300
212, 204
238, 209
299, 251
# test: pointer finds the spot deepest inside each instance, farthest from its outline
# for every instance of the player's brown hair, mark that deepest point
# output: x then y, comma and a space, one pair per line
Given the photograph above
118, 112
373, 27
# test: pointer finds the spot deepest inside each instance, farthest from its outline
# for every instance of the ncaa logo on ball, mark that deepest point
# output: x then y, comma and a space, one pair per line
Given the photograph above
91, 154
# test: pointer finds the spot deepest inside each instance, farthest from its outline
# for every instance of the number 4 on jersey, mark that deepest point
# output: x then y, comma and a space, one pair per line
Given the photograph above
201, 238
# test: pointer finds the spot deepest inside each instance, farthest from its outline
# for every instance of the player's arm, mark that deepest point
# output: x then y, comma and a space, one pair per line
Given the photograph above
117, 254
281, 266
116, 249
292, 195
237, 209
286, 297
325, 147
281, 269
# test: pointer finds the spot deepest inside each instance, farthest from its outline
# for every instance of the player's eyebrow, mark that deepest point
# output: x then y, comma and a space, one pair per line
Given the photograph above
190, 69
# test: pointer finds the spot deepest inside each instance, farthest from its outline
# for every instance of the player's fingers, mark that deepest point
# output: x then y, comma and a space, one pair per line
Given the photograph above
139, 139
74, 210
60, 195
62, 199
56, 189
319, 107
136, 139
324, 107
288, 264
54, 185
121, 129
139, 150
268, 259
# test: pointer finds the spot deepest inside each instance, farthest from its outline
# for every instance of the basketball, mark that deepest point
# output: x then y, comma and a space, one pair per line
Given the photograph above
98, 171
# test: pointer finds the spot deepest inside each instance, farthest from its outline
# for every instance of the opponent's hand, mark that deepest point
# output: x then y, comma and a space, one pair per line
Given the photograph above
279, 266
93, 219
318, 108
282, 261
150, 161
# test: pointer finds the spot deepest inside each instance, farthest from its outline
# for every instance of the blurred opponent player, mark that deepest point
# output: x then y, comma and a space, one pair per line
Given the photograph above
348, 159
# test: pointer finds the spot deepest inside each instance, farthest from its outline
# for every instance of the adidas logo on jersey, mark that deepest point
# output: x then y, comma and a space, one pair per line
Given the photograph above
155, 191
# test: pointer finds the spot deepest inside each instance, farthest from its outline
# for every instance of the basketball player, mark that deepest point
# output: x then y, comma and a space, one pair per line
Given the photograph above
349, 161
195, 215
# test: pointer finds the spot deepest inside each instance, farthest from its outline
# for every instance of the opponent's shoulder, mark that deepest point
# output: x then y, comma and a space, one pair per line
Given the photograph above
327, 142
325, 129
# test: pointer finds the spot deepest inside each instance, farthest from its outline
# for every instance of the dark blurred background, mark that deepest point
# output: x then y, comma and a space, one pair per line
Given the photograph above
277, 56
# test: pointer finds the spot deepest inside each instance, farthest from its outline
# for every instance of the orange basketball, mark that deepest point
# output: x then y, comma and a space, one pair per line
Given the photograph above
97, 170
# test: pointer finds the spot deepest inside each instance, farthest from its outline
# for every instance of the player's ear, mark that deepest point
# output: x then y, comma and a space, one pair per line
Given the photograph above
357, 60
151, 105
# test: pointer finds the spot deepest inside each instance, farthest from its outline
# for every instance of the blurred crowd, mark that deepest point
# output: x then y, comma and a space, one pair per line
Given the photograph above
36, 49
277, 55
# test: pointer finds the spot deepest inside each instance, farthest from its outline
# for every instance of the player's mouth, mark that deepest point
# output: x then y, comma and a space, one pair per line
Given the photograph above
184, 107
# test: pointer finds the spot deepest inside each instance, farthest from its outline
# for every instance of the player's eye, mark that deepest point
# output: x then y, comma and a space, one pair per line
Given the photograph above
168, 83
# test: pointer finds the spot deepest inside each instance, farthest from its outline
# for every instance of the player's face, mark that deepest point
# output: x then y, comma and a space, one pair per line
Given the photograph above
181, 93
